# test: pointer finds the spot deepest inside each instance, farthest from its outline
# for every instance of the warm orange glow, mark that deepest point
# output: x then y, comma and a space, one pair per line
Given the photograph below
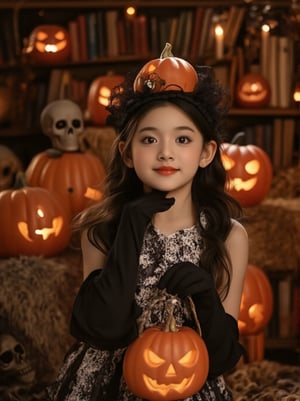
265, 28
104, 94
130, 11
219, 30
57, 224
92, 193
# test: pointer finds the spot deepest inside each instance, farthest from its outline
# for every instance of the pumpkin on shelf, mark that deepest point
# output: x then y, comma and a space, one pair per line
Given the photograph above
166, 73
99, 95
166, 363
49, 45
249, 172
33, 221
253, 91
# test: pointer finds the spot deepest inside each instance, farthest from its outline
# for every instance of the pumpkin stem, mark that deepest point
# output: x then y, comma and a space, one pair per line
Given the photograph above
171, 322
239, 138
167, 52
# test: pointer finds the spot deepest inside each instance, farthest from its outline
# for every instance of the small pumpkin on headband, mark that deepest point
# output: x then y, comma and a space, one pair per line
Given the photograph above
166, 73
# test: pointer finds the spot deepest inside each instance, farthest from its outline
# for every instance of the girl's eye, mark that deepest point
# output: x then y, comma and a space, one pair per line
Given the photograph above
183, 139
149, 139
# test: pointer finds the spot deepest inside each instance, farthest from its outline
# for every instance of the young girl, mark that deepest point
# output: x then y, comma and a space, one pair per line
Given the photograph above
166, 228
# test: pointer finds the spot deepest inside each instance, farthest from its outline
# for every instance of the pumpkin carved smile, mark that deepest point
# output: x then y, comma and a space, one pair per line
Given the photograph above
164, 389
45, 232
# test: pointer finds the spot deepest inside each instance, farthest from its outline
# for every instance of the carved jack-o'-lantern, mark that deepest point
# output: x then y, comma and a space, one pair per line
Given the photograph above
99, 95
257, 302
168, 363
166, 73
49, 44
249, 173
33, 222
253, 91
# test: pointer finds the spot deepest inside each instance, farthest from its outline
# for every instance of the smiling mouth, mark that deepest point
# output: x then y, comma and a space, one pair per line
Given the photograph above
165, 170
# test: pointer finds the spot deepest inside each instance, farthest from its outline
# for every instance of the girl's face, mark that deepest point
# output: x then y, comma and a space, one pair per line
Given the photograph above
167, 149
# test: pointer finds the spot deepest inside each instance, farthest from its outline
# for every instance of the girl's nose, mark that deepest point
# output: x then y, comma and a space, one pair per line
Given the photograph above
165, 153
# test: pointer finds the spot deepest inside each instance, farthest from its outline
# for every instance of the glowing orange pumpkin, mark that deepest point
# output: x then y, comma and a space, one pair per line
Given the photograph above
253, 91
98, 97
166, 73
33, 222
166, 364
257, 302
249, 173
49, 45
73, 176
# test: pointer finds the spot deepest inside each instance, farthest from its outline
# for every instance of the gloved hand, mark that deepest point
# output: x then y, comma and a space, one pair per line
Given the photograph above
104, 313
219, 329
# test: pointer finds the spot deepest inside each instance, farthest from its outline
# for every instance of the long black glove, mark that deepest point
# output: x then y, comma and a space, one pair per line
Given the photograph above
219, 329
104, 313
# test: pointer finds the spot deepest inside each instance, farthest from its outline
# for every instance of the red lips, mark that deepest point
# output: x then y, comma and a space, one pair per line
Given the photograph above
166, 170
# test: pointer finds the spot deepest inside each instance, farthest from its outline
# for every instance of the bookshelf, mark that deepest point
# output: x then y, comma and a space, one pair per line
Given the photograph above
30, 83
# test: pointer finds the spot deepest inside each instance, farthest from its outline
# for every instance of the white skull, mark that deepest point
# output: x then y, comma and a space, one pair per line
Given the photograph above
62, 121
15, 367
9, 166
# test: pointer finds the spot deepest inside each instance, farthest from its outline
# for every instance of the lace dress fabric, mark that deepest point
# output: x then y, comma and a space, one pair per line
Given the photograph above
90, 374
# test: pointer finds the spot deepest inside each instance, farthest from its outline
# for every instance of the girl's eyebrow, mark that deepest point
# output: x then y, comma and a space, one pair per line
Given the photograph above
179, 128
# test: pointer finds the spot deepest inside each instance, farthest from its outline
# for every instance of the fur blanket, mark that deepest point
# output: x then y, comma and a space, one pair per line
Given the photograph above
35, 304
265, 381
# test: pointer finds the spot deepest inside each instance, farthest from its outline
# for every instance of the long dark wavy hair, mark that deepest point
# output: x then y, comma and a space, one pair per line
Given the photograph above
207, 107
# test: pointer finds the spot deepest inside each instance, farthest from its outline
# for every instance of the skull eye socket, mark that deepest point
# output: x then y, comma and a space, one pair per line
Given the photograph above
19, 349
61, 124
6, 172
189, 358
6, 357
152, 358
76, 123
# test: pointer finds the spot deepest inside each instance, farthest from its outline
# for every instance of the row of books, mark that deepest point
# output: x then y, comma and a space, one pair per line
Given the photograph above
112, 33
276, 138
191, 32
285, 320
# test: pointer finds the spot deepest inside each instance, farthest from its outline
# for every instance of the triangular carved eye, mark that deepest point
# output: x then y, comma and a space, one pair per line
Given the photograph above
152, 359
189, 358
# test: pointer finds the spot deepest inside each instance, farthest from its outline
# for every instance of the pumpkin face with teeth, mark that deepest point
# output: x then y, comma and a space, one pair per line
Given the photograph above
49, 44
166, 365
249, 173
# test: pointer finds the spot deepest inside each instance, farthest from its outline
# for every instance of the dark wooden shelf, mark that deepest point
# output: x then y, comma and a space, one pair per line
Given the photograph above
10, 4
269, 112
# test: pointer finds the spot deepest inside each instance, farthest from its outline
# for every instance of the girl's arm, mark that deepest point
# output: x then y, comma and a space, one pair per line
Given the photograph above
237, 247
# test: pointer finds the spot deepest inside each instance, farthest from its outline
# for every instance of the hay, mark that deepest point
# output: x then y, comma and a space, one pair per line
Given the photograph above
35, 300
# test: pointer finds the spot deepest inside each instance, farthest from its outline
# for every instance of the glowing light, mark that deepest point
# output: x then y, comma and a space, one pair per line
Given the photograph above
130, 11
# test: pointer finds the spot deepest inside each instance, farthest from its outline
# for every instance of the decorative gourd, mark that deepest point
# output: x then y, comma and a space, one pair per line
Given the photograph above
165, 364
257, 302
253, 91
99, 95
73, 176
33, 222
249, 173
166, 73
49, 45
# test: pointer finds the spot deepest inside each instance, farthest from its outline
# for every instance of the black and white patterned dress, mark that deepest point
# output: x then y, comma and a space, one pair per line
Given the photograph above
89, 374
